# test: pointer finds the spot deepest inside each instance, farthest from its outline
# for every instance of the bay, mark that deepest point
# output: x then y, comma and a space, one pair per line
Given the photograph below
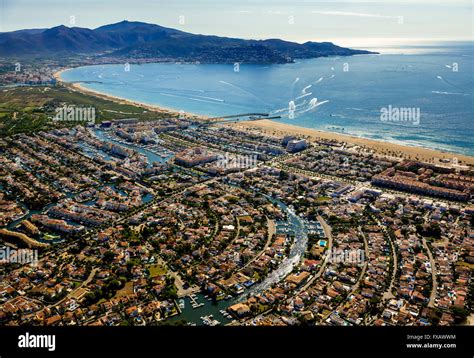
338, 94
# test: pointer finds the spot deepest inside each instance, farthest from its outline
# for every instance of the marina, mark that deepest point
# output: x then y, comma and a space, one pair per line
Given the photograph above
198, 310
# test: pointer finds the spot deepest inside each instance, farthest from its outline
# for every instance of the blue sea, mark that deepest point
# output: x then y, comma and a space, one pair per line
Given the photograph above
339, 94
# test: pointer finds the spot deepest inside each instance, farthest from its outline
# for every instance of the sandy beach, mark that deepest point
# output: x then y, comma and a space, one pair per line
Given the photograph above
386, 148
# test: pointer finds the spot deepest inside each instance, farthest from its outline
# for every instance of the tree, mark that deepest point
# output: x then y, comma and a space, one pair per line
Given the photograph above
283, 175
109, 256
460, 314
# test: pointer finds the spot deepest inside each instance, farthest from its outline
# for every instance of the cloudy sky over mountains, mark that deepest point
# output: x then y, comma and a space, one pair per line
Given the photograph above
346, 22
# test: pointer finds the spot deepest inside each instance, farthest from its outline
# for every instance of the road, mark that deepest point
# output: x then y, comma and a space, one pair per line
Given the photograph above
328, 234
388, 293
434, 280
178, 282
84, 283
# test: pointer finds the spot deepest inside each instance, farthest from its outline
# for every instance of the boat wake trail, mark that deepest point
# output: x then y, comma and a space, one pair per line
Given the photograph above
303, 91
245, 91
450, 93
448, 82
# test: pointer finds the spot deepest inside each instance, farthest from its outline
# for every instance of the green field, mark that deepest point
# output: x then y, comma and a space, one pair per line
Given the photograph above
30, 109
157, 270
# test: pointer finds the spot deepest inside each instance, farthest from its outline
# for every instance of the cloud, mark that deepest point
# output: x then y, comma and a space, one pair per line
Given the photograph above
356, 14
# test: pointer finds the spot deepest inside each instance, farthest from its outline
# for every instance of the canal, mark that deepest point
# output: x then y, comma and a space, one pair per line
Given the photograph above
296, 226
151, 155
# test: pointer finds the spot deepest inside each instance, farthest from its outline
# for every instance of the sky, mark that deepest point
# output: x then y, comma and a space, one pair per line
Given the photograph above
356, 23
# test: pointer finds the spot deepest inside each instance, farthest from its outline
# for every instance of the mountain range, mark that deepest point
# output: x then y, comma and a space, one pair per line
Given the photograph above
143, 41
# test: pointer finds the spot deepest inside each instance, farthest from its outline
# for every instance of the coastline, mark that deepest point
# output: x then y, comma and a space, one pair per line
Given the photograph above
275, 128
153, 108
269, 127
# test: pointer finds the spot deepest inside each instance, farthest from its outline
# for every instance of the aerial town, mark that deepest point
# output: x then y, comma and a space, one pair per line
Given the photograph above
180, 222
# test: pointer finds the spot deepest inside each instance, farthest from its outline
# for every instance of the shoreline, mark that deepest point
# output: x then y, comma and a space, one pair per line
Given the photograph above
270, 127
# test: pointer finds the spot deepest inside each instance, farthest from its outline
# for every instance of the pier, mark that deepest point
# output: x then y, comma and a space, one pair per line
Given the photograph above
241, 115
194, 302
